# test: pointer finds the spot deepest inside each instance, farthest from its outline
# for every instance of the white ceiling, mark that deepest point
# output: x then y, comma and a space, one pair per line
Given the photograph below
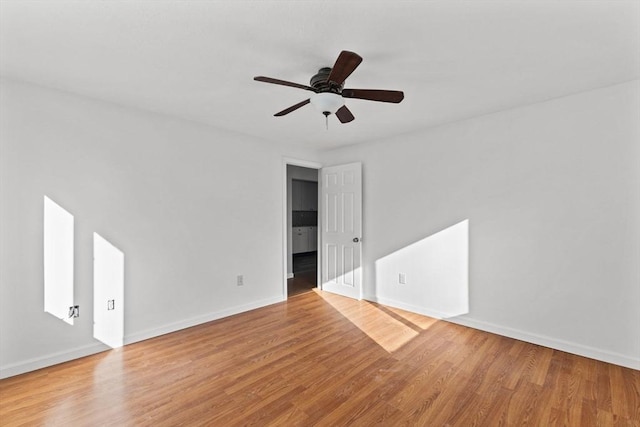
196, 59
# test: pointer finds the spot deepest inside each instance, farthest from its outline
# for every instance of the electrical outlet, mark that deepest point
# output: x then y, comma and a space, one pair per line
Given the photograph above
240, 280
402, 279
74, 311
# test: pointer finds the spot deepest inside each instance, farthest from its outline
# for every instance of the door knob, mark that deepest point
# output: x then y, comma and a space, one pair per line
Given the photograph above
356, 240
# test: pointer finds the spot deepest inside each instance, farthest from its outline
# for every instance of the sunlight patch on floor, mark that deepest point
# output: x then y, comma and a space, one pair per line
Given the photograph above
389, 328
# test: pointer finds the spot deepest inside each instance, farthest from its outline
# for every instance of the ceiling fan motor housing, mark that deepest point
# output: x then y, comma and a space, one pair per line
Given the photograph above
320, 82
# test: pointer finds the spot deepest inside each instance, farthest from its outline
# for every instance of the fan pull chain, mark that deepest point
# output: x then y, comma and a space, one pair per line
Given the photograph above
326, 118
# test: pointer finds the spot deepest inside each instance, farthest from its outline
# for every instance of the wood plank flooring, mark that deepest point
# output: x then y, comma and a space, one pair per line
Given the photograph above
320, 359
302, 282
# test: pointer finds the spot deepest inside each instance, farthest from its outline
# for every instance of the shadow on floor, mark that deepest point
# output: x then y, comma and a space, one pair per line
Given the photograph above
305, 274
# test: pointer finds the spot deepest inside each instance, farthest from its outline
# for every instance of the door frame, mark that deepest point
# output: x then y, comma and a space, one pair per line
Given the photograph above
285, 241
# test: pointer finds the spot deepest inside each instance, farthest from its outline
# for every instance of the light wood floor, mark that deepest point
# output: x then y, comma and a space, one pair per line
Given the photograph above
319, 359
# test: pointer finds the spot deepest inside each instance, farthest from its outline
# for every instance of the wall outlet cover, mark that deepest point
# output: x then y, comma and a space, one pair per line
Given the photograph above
74, 311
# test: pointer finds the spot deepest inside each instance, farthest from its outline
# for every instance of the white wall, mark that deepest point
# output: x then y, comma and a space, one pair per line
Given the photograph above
551, 193
189, 206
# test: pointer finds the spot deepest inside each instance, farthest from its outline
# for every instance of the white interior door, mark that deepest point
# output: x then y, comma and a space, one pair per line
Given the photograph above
341, 191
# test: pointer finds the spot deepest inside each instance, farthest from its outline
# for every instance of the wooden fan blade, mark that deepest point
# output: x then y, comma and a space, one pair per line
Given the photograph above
394, 96
346, 63
344, 115
292, 108
282, 82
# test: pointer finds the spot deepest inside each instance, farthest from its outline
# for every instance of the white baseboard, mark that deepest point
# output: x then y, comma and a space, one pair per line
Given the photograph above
555, 343
50, 360
290, 275
187, 323
408, 307
87, 350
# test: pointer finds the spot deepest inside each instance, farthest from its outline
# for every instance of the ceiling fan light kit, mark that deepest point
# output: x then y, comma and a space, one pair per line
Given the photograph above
329, 92
327, 102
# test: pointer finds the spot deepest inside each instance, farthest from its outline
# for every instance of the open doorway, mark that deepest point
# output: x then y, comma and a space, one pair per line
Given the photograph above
302, 229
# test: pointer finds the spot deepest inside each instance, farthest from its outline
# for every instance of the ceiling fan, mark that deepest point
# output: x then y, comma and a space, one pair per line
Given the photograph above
328, 89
